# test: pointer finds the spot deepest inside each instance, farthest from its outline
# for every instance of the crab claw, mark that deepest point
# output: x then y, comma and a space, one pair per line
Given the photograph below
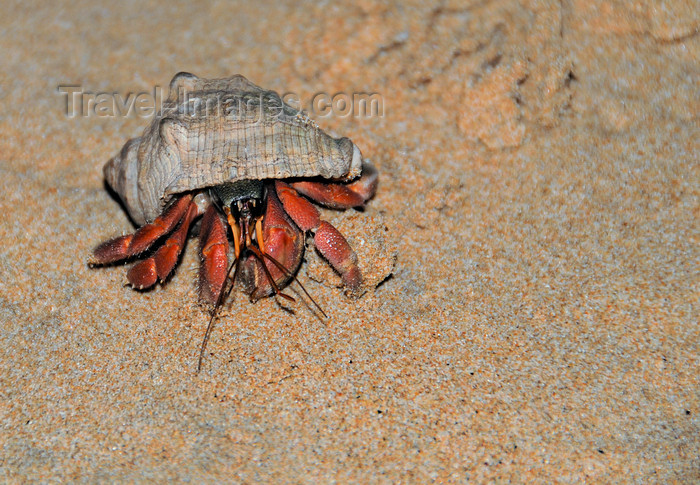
283, 243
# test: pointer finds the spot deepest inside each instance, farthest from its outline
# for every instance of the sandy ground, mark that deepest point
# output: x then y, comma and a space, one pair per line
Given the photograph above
539, 183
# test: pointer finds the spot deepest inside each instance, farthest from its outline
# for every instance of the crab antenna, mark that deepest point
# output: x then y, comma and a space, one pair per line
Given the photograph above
219, 301
293, 276
276, 288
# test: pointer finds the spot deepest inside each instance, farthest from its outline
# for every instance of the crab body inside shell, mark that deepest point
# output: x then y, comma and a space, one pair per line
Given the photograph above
265, 217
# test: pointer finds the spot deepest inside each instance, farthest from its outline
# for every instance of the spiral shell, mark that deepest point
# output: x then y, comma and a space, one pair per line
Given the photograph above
212, 131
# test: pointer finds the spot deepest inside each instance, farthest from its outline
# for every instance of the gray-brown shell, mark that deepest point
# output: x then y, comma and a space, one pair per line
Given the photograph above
211, 131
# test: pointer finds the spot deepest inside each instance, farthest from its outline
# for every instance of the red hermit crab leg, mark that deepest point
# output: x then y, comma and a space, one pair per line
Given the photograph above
213, 250
341, 196
146, 273
327, 238
124, 247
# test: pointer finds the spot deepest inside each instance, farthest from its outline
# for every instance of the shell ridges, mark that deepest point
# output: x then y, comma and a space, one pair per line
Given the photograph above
212, 131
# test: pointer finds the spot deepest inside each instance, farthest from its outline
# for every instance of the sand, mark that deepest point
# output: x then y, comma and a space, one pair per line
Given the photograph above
539, 190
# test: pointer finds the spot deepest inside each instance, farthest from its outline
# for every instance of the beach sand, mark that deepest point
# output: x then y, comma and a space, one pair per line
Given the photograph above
539, 191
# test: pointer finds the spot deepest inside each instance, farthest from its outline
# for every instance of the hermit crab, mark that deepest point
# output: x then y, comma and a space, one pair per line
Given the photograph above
250, 165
